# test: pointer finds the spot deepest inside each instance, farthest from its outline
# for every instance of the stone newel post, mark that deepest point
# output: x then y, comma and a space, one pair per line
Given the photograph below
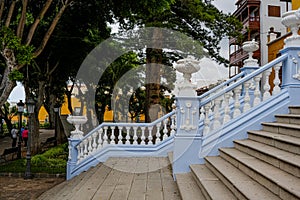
291, 69
250, 65
75, 137
188, 140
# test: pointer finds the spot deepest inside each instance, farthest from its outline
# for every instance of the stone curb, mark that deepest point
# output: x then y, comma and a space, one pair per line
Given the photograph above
35, 175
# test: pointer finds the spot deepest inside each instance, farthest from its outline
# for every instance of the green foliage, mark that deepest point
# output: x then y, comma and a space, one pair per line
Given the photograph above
8, 40
202, 22
60, 151
52, 161
45, 125
15, 75
54, 157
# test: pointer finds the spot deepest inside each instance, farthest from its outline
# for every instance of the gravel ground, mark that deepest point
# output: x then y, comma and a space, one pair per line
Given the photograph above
18, 188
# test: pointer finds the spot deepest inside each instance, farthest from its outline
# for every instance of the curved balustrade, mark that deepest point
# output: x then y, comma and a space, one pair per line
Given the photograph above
126, 134
238, 95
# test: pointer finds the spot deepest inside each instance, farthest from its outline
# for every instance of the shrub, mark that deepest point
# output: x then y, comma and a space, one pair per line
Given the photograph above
52, 161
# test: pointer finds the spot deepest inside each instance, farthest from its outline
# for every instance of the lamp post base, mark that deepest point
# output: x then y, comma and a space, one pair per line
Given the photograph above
28, 174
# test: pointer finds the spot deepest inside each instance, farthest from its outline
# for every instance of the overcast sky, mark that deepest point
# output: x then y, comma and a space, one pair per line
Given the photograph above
227, 6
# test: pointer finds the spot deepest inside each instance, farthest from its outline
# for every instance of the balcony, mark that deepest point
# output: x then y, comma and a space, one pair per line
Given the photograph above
252, 23
240, 55
242, 5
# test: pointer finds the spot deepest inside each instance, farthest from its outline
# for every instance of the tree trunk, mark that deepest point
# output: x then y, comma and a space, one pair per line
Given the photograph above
7, 85
153, 73
35, 133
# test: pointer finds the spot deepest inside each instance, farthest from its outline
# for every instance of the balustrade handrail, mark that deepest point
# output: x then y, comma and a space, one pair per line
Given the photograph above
244, 79
221, 85
127, 125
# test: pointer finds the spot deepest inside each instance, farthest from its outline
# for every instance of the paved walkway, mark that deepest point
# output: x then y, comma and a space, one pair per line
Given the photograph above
146, 178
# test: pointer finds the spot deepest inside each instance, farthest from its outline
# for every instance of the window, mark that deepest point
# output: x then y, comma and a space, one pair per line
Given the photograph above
274, 11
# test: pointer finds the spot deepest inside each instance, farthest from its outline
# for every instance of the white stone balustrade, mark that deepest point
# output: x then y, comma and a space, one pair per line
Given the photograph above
241, 94
126, 134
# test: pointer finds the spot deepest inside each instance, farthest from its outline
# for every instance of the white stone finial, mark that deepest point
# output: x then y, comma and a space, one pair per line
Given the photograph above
187, 66
291, 20
76, 121
250, 47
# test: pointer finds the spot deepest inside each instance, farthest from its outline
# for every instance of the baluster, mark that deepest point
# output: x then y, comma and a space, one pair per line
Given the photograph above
206, 120
276, 82
70, 151
267, 87
157, 140
135, 137
173, 125
247, 105
120, 135
150, 138
165, 131
127, 135
105, 137
227, 116
90, 148
143, 136
202, 115
112, 136
79, 152
257, 93
237, 104
94, 136
85, 148
217, 115
100, 141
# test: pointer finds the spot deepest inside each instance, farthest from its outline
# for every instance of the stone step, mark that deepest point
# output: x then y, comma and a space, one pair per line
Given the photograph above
281, 183
294, 109
240, 184
286, 161
288, 118
282, 128
188, 187
210, 185
284, 142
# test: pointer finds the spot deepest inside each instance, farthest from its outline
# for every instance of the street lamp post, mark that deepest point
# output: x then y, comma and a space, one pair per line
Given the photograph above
20, 107
30, 108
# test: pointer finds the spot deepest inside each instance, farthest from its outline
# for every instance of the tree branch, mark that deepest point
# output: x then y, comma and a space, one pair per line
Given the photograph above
1, 8
37, 21
10, 13
22, 19
54, 68
51, 28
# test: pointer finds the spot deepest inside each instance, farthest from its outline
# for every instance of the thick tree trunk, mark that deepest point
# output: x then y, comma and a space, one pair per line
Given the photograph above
35, 133
153, 73
7, 85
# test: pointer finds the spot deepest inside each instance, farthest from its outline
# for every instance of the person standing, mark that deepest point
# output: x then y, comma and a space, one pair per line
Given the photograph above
25, 136
14, 133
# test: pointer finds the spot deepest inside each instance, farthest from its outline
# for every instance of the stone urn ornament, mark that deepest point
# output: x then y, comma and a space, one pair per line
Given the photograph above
291, 20
77, 121
250, 47
187, 66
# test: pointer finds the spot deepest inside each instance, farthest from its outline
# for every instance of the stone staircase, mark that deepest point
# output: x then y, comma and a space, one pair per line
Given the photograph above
264, 166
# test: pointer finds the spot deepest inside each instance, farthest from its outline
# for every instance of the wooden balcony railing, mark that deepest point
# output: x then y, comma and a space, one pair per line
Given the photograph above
237, 56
